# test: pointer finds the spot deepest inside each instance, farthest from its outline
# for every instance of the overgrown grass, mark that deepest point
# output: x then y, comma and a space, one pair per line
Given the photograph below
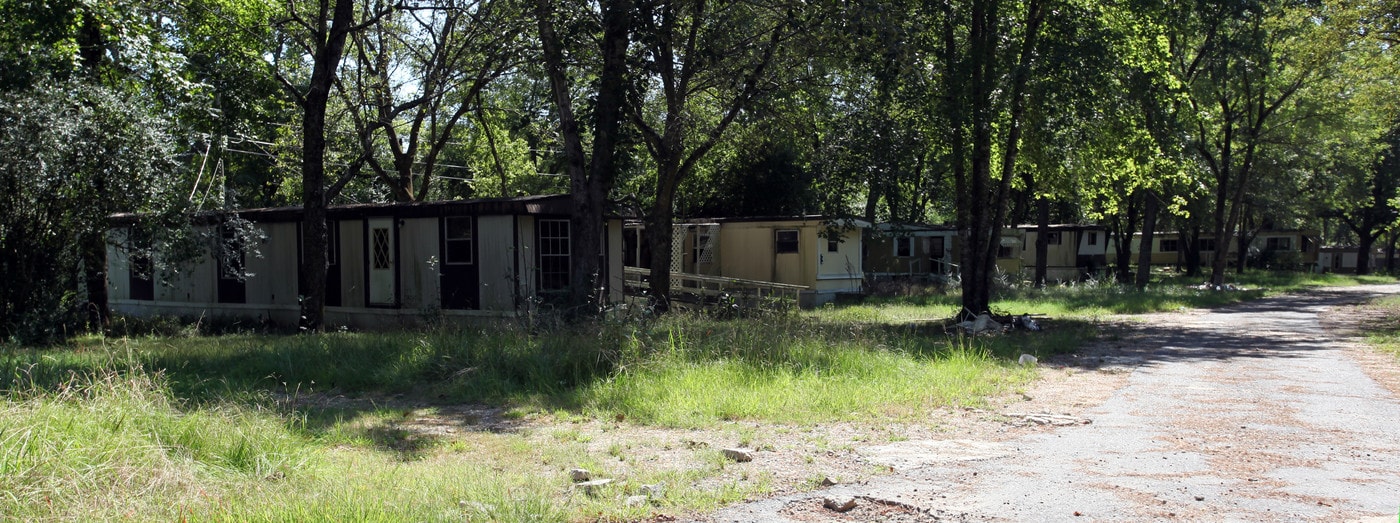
230, 427
1086, 300
1384, 334
238, 427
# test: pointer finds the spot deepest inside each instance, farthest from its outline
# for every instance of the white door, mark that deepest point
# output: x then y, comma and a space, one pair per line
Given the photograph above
382, 258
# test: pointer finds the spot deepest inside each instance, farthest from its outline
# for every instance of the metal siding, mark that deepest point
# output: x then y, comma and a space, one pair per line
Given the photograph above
418, 259
846, 260
496, 246
118, 267
746, 251
524, 260
352, 263
273, 267
614, 261
283, 266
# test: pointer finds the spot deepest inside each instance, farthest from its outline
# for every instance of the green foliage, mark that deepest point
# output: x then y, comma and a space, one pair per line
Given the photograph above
70, 155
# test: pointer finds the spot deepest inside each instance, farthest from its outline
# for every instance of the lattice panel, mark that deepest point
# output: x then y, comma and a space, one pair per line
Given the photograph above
678, 248
381, 248
710, 233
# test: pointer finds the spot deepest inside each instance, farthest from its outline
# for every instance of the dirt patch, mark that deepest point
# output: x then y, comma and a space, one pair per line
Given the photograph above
1347, 323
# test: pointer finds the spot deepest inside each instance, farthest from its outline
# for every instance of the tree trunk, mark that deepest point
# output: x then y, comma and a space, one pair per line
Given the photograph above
659, 234
1189, 245
94, 249
1123, 228
1042, 240
1149, 226
1390, 252
315, 233
588, 289
1364, 246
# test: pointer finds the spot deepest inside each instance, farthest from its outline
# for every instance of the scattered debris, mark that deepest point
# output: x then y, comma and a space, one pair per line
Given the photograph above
839, 504
636, 501
827, 482
987, 324
1027, 359
1046, 418
1206, 286
983, 323
591, 487
655, 490
1025, 321
739, 455
579, 475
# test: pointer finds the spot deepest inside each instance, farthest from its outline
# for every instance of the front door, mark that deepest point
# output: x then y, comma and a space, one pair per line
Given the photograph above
383, 257
458, 273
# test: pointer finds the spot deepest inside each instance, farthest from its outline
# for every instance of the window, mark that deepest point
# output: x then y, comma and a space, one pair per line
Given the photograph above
1278, 244
379, 243
142, 277
231, 286
784, 240
1004, 251
1205, 244
936, 248
457, 240
1052, 238
833, 245
553, 248
702, 243
1167, 246
904, 247
1093, 238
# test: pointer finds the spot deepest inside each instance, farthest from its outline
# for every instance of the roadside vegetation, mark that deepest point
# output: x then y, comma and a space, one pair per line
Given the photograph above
256, 426
1383, 332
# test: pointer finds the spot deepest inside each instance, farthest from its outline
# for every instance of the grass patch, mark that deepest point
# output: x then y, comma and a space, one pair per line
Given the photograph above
1087, 300
237, 427
1384, 333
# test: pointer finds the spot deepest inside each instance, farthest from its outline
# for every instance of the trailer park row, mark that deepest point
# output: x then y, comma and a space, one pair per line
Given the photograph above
399, 264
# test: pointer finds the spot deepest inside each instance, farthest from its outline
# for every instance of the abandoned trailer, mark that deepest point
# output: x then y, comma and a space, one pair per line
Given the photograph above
389, 264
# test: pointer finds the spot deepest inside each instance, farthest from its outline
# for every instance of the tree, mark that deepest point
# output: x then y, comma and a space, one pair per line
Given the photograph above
1239, 65
985, 62
703, 64
590, 178
413, 78
71, 154
321, 35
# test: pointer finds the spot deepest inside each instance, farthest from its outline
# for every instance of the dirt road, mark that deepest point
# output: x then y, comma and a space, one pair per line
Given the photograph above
1248, 413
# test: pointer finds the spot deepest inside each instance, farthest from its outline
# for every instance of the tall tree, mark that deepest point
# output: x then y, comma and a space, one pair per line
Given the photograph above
704, 63
412, 78
317, 32
986, 57
1239, 65
590, 178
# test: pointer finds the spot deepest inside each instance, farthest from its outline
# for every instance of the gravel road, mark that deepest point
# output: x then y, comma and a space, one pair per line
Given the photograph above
1247, 413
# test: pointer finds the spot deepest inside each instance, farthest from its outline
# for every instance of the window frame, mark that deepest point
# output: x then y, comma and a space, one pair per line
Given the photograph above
907, 242
548, 241
448, 240
785, 246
